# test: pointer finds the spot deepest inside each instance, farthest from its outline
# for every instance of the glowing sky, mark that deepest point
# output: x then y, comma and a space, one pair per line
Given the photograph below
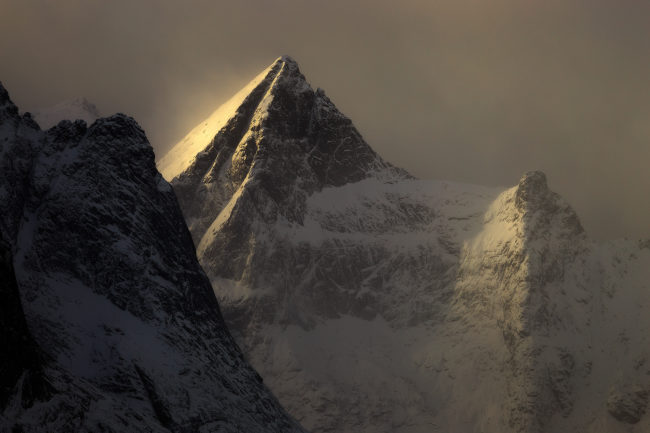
471, 90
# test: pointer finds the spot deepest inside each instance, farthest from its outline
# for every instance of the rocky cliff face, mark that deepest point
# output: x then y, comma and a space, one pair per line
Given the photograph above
374, 302
510, 275
111, 323
21, 363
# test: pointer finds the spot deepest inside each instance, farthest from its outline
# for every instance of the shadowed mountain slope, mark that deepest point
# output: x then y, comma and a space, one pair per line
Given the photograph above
112, 324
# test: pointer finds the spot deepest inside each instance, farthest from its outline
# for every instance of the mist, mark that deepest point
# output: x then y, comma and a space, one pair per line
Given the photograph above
470, 91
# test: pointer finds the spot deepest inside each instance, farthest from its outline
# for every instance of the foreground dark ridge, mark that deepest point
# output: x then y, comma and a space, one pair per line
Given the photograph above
109, 322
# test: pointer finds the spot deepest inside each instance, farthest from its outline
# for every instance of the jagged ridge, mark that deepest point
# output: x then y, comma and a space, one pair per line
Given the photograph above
113, 296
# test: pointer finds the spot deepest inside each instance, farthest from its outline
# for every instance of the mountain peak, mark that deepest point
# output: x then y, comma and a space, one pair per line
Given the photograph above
4, 95
277, 106
275, 143
286, 59
541, 207
286, 63
532, 190
118, 125
288, 76
7, 107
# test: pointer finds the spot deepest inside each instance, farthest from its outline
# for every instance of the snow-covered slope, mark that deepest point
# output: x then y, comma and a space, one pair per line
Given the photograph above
374, 302
181, 155
109, 323
71, 109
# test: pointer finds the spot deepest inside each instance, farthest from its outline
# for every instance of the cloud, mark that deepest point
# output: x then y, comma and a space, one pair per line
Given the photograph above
469, 90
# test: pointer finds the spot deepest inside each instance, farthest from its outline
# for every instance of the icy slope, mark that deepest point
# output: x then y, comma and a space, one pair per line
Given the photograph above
72, 109
373, 302
113, 324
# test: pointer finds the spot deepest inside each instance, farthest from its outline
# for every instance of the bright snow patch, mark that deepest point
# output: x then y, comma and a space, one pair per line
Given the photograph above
183, 153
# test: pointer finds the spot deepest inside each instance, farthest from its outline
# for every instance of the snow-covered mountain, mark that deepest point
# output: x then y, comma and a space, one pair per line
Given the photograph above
108, 321
370, 301
71, 109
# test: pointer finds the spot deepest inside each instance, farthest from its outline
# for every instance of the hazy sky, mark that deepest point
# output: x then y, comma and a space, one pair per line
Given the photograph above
470, 90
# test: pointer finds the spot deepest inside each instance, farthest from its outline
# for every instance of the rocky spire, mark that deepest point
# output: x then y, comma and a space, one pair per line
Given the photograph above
280, 142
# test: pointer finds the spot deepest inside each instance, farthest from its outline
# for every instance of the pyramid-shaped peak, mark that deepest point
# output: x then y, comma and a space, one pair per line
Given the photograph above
287, 67
287, 74
287, 59
277, 138
278, 106
286, 63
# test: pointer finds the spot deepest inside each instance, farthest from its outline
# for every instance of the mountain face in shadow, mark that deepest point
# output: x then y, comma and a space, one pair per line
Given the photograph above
109, 323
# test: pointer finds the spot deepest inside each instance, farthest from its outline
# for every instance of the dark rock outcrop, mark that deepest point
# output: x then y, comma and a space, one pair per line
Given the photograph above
120, 329
21, 363
628, 404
